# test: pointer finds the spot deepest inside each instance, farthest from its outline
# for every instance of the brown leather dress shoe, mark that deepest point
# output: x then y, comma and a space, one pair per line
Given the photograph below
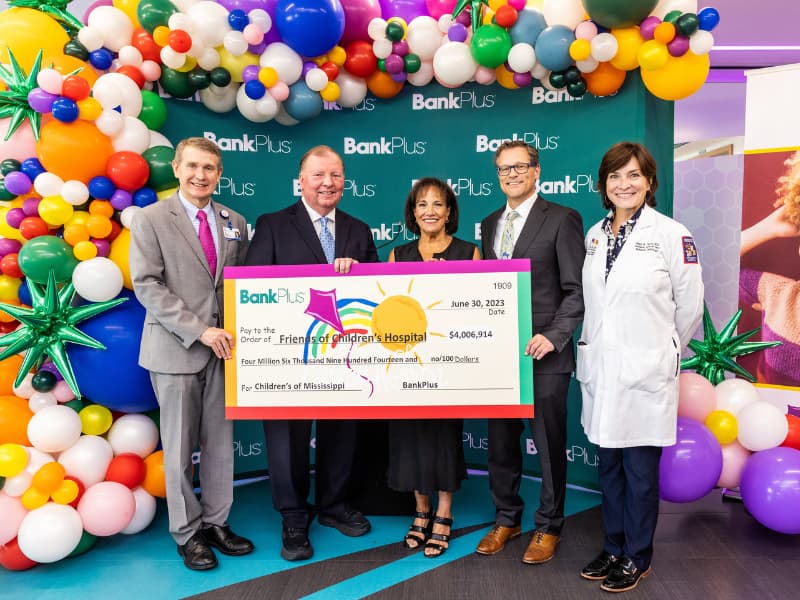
496, 539
541, 549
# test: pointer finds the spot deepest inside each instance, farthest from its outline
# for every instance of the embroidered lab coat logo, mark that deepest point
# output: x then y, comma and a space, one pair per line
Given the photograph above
689, 251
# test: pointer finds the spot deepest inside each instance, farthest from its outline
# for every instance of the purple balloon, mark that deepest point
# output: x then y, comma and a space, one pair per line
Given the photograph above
18, 183
464, 18
400, 77
357, 15
250, 72
52, 368
678, 46
307, 66
40, 101
30, 206
648, 26
8, 246
121, 199
522, 79
771, 488
14, 217
103, 247
400, 48
406, 9
394, 64
245, 5
691, 468
457, 32
258, 49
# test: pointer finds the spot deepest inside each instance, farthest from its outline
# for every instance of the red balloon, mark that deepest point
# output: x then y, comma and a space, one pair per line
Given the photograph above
505, 15
179, 40
31, 227
134, 73
9, 265
127, 170
145, 44
12, 558
793, 437
331, 70
360, 60
75, 88
81, 489
128, 469
8, 327
116, 229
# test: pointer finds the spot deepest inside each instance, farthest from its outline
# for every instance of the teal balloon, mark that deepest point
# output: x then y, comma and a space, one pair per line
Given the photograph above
490, 45
618, 13
303, 103
552, 47
154, 110
530, 23
41, 254
152, 13
159, 159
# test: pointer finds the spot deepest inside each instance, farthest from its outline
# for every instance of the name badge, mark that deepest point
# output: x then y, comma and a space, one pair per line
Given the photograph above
231, 233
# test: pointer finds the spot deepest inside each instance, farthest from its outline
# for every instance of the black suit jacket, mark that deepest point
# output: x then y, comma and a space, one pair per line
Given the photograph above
288, 237
552, 239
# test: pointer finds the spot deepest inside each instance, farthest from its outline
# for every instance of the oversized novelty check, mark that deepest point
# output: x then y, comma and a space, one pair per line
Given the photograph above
390, 340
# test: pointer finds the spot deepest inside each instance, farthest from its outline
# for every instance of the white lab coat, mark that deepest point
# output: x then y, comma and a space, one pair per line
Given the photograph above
635, 325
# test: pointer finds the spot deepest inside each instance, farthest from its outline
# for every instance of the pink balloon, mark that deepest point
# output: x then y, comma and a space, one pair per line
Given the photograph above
13, 512
279, 91
92, 6
20, 145
697, 398
106, 508
437, 8
734, 458
357, 15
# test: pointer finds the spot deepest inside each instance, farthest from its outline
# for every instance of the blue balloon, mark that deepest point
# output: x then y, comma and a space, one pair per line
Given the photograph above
64, 109
530, 23
552, 47
113, 377
101, 59
101, 187
145, 197
32, 168
238, 19
708, 18
24, 293
310, 27
303, 103
254, 89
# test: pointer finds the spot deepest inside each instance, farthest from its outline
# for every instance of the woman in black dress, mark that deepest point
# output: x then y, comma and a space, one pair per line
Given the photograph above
426, 456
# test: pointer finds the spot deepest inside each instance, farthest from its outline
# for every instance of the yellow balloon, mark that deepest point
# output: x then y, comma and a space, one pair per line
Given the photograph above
54, 210
119, 255
505, 78
629, 39
163, 194
580, 49
235, 64
9, 286
723, 425
95, 419
191, 63
13, 459
495, 4
84, 250
653, 55
89, 109
337, 56
679, 77
330, 93
25, 31
79, 217
34, 498
129, 8
6, 230
268, 76
66, 492
161, 35
488, 15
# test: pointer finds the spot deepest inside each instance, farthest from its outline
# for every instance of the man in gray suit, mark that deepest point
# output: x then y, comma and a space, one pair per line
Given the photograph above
179, 247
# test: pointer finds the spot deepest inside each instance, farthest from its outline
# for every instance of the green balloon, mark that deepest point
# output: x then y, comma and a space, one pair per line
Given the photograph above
220, 76
199, 78
490, 45
672, 16
411, 63
395, 31
175, 83
577, 89
572, 75
76, 49
75, 404
159, 159
155, 414
4, 193
382, 65
9, 165
86, 544
152, 13
154, 111
687, 24
45, 253
614, 14
557, 79
2, 482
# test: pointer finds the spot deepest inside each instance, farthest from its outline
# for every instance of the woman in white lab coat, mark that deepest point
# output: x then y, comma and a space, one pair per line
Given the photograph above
643, 294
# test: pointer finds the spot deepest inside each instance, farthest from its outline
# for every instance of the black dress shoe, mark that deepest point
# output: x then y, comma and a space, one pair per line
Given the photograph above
197, 555
600, 567
295, 544
351, 522
625, 576
227, 542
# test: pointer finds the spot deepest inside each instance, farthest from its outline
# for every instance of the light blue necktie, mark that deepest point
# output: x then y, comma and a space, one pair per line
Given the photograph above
326, 239
507, 240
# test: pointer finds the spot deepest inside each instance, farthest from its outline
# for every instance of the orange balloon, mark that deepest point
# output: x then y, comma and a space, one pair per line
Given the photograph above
49, 477
75, 233
101, 207
76, 150
8, 373
66, 64
154, 483
604, 80
14, 417
98, 226
505, 78
4, 316
382, 85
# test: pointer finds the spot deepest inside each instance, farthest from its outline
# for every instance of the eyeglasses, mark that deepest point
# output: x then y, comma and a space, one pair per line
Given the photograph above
519, 169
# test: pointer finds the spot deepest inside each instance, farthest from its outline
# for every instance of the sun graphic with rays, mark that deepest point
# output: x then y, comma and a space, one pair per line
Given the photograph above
400, 323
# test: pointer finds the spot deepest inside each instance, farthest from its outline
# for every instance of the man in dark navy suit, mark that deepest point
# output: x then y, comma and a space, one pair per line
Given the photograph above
551, 237
313, 231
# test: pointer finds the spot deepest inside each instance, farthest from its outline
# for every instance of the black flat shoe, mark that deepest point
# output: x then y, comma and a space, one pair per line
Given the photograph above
295, 544
197, 554
625, 576
434, 549
424, 530
223, 539
600, 567
351, 522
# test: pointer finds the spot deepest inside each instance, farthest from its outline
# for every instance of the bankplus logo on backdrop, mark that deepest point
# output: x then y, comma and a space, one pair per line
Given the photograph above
395, 145
579, 183
489, 143
541, 95
258, 142
454, 100
366, 105
353, 188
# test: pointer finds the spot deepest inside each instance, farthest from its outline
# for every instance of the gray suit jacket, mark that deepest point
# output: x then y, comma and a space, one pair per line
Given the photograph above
172, 280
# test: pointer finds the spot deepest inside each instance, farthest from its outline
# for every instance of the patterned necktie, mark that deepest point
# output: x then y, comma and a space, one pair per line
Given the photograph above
326, 239
207, 242
507, 241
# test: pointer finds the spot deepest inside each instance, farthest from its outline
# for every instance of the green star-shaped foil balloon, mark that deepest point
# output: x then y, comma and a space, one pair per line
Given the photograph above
54, 8
14, 100
714, 355
476, 10
48, 325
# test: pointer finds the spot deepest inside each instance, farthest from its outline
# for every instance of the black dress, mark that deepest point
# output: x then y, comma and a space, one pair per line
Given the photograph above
427, 455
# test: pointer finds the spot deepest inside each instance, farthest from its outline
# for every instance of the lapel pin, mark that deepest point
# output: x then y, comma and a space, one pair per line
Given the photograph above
224, 214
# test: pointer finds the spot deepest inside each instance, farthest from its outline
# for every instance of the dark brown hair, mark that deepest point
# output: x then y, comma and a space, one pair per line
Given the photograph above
533, 153
617, 157
419, 188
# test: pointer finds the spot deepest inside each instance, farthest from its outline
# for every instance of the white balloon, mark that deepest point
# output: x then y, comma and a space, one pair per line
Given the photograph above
316, 79
268, 106
114, 25
260, 17
521, 57
287, 62
159, 139
134, 136
128, 55
97, 279
145, 512
587, 65
376, 29
382, 48
36, 459
453, 64
13, 513
25, 388
91, 38
235, 43
133, 433
352, 89
219, 99
128, 95
563, 12
171, 58
423, 76
761, 426
733, 395
249, 107
54, 428
50, 81
181, 21
444, 23
50, 533
126, 217
17, 485
41, 400
664, 6
701, 41
88, 459
110, 122
48, 184
424, 38
74, 192
209, 22
604, 47
208, 59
